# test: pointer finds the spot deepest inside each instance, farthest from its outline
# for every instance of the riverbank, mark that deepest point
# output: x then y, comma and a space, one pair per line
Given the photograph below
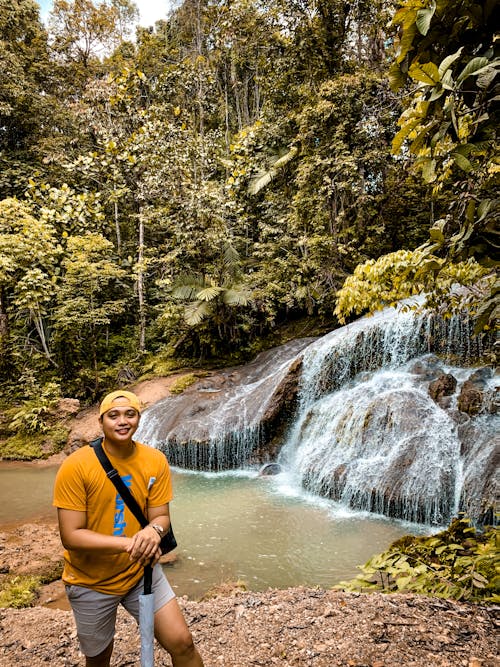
304, 627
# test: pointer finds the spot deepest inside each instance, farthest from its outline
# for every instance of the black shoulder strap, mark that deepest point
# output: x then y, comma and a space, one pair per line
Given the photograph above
120, 485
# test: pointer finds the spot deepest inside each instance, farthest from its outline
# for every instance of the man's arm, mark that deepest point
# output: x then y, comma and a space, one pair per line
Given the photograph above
160, 516
75, 535
143, 546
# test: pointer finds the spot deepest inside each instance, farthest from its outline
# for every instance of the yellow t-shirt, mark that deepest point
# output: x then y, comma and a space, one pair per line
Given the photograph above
81, 484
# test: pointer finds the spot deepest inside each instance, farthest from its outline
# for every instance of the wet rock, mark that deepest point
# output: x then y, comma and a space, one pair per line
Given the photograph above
270, 469
470, 399
481, 376
444, 385
428, 367
480, 448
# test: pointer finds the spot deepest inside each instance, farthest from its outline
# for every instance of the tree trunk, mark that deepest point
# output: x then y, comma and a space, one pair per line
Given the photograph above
140, 287
4, 319
118, 232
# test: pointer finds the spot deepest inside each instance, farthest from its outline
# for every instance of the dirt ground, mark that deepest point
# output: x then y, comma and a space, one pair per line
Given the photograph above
287, 628
295, 627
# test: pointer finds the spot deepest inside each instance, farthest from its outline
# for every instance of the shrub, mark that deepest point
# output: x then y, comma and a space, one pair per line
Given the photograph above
459, 563
20, 591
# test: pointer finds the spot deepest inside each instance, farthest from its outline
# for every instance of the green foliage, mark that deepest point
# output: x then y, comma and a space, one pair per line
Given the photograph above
181, 196
458, 563
23, 447
448, 51
19, 591
32, 416
376, 284
184, 382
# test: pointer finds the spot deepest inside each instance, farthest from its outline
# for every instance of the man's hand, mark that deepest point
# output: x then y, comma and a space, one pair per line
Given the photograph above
145, 546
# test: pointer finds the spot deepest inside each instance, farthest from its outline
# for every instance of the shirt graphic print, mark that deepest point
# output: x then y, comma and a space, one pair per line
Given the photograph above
119, 523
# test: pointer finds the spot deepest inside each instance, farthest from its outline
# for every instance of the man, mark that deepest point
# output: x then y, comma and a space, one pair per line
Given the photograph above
105, 547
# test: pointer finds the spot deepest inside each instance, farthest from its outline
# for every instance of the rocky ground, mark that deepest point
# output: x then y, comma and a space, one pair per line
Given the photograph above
303, 627
295, 627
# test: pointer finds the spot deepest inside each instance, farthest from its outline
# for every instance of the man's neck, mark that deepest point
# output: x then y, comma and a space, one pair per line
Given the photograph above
122, 450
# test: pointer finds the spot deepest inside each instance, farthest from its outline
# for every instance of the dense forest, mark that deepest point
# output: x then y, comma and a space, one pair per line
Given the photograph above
174, 194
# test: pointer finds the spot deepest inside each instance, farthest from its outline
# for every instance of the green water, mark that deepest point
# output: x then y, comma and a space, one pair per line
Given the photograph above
235, 527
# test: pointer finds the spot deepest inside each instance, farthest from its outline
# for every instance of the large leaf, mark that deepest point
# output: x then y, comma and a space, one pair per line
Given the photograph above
426, 73
461, 161
403, 133
424, 18
231, 255
428, 166
396, 77
448, 61
209, 293
236, 296
260, 182
196, 312
487, 75
265, 178
472, 67
185, 291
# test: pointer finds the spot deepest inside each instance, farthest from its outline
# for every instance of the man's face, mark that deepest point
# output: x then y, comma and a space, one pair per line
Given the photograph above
120, 422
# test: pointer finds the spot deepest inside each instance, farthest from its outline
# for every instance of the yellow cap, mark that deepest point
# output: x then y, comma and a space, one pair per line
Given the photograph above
107, 401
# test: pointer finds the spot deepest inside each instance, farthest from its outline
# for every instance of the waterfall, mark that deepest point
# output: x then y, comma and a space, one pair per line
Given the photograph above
364, 432
219, 425
367, 433
381, 445
386, 340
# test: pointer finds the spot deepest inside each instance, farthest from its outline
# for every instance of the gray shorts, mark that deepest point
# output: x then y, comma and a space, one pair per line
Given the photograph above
95, 613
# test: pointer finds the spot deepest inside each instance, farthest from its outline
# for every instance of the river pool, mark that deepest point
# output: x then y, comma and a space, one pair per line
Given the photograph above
236, 526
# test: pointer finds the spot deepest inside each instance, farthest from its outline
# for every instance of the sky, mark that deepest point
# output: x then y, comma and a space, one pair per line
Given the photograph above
150, 10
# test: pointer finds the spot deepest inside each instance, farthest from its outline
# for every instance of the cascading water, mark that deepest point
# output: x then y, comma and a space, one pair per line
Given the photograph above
218, 425
374, 440
365, 432
381, 445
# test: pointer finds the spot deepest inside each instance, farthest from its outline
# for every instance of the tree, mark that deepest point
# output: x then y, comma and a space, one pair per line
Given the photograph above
29, 254
89, 300
27, 104
447, 50
82, 33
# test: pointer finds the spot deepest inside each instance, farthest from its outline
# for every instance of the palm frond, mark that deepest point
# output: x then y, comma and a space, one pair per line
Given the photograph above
231, 255
265, 177
209, 293
185, 292
195, 312
237, 296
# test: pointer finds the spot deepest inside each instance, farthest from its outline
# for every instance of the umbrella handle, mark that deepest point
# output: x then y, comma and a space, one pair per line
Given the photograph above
148, 579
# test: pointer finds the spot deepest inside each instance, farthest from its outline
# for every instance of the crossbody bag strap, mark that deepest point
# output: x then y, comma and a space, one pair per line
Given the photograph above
121, 487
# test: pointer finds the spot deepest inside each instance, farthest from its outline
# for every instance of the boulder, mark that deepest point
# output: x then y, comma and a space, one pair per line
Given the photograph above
442, 387
270, 469
470, 399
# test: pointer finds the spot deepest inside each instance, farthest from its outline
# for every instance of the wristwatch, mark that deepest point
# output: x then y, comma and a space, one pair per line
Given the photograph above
159, 529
